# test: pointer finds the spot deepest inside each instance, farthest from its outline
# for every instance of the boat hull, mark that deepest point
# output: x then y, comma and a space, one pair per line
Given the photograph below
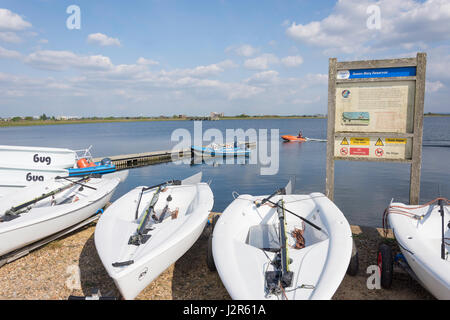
222, 152
39, 223
98, 168
131, 284
15, 178
320, 265
168, 242
292, 138
36, 157
420, 243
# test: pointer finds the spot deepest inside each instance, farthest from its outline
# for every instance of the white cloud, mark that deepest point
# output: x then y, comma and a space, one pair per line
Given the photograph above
264, 78
10, 37
244, 50
317, 78
285, 23
407, 23
227, 64
13, 86
438, 63
261, 62
147, 62
102, 40
61, 60
303, 101
292, 61
9, 54
201, 71
12, 21
242, 91
433, 86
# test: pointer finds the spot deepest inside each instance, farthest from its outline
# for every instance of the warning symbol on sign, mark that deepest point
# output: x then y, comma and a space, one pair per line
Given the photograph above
344, 151
344, 142
379, 143
379, 152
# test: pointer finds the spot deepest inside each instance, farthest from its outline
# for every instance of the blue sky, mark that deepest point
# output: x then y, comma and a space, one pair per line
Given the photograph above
191, 57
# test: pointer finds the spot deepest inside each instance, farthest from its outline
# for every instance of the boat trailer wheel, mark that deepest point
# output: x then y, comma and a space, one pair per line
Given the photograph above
385, 265
353, 266
209, 255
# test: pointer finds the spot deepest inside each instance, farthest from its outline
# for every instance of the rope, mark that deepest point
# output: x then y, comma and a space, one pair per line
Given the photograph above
284, 292
406, 211
297, 234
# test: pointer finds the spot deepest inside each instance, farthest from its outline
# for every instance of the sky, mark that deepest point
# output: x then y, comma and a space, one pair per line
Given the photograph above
163, 57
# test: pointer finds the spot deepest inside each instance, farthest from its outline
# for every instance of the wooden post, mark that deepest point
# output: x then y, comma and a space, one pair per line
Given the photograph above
329, 191
414, 188
339, 75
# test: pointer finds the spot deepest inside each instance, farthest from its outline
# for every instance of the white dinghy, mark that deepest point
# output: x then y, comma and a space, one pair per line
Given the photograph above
21, 166
24, 166
285, 246
423, 235
13, 179
145, 231
37, 157
44, 209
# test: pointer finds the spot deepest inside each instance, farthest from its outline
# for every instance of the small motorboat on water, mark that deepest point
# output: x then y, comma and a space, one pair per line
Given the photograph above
293, 138
221, 150
283, 246
84, 167
423, 235
145, 231
43, 209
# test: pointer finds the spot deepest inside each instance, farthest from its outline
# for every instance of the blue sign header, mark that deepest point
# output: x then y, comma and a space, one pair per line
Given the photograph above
377, 73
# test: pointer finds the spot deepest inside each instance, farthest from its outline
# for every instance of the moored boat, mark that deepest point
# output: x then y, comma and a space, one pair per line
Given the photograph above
13, 179
284, 246
85, 167
24, 166
423, 235
43, 209
36, 157
217, 150
145, 231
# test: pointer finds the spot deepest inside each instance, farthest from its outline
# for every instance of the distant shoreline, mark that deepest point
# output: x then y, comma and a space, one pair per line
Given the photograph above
26, 123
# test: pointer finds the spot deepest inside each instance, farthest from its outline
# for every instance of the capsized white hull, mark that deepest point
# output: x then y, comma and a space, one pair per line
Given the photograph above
14, 178
420, 242
45, 219
36, 157
318, 268
169, 239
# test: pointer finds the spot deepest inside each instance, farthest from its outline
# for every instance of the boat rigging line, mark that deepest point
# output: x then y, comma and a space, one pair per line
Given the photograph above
16, 210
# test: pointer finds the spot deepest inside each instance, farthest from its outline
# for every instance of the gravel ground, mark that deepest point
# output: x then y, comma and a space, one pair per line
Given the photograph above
71, 266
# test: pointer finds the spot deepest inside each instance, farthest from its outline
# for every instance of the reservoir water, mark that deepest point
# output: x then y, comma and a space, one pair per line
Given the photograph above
362, 189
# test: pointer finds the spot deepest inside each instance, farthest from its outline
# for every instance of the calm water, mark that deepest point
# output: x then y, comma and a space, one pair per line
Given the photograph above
362, 189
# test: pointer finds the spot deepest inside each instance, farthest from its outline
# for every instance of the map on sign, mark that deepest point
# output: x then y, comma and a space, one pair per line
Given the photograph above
375, 106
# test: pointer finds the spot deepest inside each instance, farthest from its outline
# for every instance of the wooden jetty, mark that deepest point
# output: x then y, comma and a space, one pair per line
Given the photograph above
135, 160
